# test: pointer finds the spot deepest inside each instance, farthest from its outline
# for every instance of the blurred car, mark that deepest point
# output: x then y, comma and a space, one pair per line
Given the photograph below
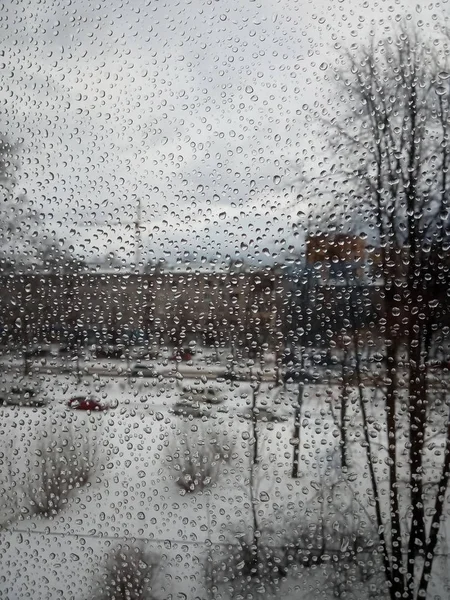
37, 352
86, 403
377, 357
185, 408
437, 363
183, 355
301, 376
23, 393
323, 358
151, 354
265, 414
68, 350
289, 357
109, 352
233, 374
201, 394
141, 370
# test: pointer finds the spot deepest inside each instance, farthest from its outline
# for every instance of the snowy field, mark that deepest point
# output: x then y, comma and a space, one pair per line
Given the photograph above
208, 362
133, 494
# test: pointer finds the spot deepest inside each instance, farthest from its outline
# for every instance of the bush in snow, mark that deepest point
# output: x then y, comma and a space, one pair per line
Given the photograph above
11, 494
347, 553
196, 457
246, 569
62, 465
130, 573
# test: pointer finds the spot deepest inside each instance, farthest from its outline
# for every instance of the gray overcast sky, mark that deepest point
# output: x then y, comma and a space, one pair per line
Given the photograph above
199, 108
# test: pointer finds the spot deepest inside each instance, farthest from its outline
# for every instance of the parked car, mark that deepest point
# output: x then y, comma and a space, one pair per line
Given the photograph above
437, 363
109, 352
185, 408
301, 376
151, 354
289, 357
233, 374
142, 370
265, 414
201, 394
323, 358
377, 357
37, 352
182, 355
86, 403
23, 393
68, 350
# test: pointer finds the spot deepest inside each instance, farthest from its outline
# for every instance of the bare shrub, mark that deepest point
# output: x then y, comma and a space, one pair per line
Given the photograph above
130, 573
61, 466
196, 457
247, 570
316, 542
10, 490
349, 554
341, 538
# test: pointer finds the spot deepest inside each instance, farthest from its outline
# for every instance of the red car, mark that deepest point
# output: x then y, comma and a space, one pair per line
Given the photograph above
183, 355
86, 403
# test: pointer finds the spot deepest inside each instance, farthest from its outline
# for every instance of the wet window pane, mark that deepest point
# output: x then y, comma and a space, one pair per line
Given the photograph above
224, 323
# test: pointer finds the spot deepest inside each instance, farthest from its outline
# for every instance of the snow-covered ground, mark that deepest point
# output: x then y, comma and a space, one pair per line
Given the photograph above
134, 495
206, 361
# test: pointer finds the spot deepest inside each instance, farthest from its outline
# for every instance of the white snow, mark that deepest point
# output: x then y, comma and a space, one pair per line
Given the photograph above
134, 494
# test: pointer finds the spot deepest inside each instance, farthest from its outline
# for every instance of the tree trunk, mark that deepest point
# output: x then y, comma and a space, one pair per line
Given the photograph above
438, 514
297, 431
370, 463
253, 463
397, 581
343, 410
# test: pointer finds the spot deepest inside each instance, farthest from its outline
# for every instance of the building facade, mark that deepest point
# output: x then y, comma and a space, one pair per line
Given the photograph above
214, 308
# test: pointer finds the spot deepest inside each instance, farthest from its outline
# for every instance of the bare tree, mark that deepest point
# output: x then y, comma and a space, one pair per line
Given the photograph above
392, 145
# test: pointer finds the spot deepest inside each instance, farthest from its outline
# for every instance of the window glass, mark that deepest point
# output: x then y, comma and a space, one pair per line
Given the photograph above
224, 322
